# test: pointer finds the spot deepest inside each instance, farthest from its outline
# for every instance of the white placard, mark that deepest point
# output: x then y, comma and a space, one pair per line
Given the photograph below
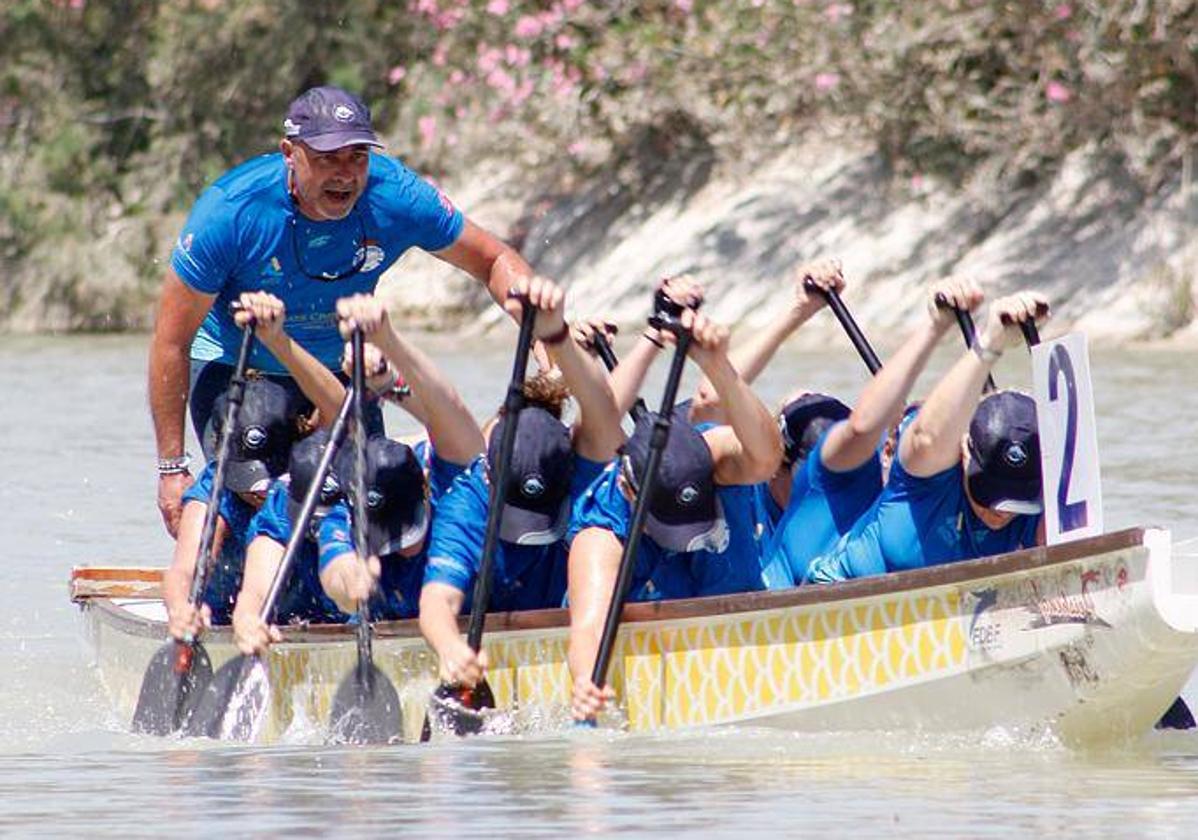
1068, 439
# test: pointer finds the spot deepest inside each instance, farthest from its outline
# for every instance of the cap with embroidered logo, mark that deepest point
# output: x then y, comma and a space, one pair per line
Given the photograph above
262, 436
536, 508
1004, 454
328, 118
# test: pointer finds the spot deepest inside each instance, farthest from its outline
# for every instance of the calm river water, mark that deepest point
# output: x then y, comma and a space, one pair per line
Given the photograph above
77, 486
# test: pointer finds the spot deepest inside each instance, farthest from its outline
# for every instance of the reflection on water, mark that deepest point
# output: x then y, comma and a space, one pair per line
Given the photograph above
77, 485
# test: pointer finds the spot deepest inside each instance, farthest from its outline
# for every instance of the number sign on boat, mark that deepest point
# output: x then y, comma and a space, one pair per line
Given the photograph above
1068, 439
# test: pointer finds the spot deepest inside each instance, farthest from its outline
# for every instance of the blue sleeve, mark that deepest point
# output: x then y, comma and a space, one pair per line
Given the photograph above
585, 473
430, 219
905, 487
272, 519
820, 475
441, 475
205, 254
201, 489
336, 535
602, 505
459, 529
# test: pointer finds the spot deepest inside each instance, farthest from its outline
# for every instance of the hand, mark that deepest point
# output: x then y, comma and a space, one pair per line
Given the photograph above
459, 665
267, 312
956, 293
684, 290
252, 635
1006, 314
709, 340
171, 488
826, 274
364, 312
548, 298
584, 331
587, 700
379, 374
349, 581
185, 621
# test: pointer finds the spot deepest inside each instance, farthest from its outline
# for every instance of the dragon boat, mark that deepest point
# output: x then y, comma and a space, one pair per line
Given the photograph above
1091, 639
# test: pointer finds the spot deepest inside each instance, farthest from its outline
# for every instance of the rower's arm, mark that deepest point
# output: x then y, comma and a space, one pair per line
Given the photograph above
629, 375
176, 581
440, 605
488, 259
593, 566
597, 434
263, 557
318, 383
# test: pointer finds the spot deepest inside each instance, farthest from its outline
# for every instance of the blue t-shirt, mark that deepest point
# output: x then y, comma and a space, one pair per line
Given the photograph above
245, 234
224, 579
919, 522
302, 598
398, 592
660, 574
824, 505
524, 577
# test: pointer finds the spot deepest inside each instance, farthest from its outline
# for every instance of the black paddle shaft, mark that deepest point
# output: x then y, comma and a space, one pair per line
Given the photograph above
657, 444
357, 390
850, 326
968, 332
299, 528
234, 398
608, 357
512, 405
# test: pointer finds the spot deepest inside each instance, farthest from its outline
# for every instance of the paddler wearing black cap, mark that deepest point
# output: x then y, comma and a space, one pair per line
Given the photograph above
689, 547
966, 482
320, 219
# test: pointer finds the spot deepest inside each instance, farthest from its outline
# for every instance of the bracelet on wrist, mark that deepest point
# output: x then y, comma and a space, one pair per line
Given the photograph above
652, 339
175, 465
559, 336
985, 353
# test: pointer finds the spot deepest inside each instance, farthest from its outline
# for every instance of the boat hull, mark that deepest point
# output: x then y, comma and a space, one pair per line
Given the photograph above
1092, 640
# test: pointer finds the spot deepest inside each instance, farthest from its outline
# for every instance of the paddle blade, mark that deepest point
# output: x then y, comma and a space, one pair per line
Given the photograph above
455, 709
233, 707
174, 681
366, 711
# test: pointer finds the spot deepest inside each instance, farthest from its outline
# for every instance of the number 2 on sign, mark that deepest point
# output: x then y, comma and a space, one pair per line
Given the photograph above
1070, 515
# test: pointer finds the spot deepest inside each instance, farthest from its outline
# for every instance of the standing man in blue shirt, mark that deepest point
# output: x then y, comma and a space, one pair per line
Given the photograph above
318, 220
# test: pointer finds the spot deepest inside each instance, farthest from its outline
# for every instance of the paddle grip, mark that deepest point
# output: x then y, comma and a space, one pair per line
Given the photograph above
846, 321
657, 444
608, 357
513, 403
361, 541
234, 398
968, 332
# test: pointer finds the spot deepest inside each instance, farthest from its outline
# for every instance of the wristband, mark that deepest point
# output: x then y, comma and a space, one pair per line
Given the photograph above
985, 353
174, 466
559, 336
649, 338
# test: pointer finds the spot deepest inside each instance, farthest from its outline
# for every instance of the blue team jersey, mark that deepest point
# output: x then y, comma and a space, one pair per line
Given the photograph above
659, 574
302, 598
919, 522
400, 579
245, 234
524, 577
824, 505
224, 580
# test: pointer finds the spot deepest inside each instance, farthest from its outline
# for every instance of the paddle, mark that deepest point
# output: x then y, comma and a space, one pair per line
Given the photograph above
234, 703
457, 707
657, 445
366, 706
180, 670
608, 357
850, 326
968, 332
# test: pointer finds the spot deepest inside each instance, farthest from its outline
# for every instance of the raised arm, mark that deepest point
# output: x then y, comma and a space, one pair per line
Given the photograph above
451, 427
488, 259
850, 444
597, 433
180, 312
751, 357
749, 448
932, 443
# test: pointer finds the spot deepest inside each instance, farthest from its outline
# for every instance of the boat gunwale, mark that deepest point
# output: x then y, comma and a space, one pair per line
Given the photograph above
946, 574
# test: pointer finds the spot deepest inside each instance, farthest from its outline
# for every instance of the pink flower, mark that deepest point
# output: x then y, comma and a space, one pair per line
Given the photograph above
576, 148
528, 27
1057, 92
1063, 11
826, 81
456, 78
835, 11
498, 7
684, 6
440, 55
564, 41
488, 59
396, 74
516, 56
427, 126
572, 5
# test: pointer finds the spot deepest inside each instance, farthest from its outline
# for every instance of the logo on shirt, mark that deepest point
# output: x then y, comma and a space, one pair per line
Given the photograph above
343, 113
185, 242
373, 258
319, 241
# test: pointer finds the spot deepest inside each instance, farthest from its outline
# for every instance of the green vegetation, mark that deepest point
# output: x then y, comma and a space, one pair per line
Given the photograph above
124, 109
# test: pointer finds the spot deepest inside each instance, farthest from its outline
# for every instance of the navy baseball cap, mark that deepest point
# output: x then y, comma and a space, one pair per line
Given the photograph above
262, 436
1004, 454
328, 118
536, 500
684, 512
305, 460
397, 511
804, 419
